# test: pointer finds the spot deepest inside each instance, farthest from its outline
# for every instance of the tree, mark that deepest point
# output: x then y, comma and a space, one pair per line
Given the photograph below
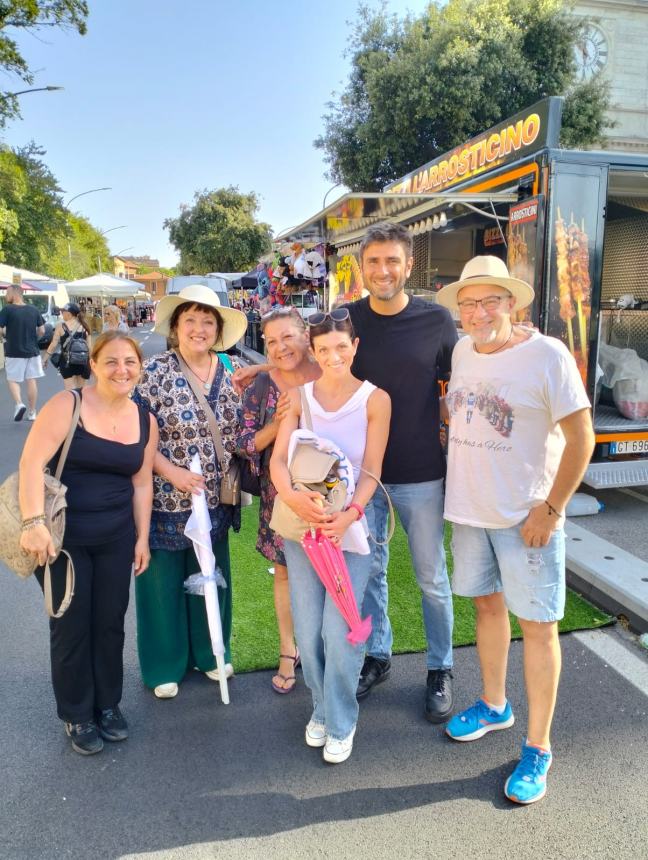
219, 233
31, 16
78, 252
31, 192
421, 86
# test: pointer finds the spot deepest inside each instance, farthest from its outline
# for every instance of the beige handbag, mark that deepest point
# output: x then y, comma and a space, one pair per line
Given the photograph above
230, 488
11, 553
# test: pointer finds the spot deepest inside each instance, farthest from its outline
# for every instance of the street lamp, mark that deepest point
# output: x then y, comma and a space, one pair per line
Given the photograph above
83, 193
48, 89
67, 205
109, 230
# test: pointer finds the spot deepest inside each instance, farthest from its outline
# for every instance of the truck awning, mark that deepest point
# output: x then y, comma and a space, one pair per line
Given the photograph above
346, 219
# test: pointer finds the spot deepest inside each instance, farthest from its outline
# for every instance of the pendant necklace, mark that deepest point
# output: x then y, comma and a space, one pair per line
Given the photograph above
206, 384
493, 351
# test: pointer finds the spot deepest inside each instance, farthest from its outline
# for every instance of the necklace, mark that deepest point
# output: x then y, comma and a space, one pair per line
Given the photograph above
206, 383
493, 351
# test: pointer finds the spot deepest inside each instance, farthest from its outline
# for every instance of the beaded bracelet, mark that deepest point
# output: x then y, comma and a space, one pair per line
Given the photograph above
32, 522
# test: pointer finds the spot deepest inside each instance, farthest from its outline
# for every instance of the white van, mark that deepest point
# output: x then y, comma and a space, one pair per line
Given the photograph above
305, 302
49, 298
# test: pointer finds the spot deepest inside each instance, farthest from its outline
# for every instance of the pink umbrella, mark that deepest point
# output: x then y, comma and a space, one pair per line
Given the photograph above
330, 566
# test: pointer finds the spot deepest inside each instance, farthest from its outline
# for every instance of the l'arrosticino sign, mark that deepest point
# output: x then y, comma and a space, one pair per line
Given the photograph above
532, 129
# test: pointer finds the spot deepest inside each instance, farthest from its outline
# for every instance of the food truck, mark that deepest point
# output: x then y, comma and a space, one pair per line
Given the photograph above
572, 223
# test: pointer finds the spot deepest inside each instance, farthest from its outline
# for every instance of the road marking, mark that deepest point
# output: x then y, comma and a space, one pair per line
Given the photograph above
635, 495
616, 655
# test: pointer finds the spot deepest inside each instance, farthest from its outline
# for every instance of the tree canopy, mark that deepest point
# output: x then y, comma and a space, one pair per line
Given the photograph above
31, 16
36, 231
422, 85
219, 232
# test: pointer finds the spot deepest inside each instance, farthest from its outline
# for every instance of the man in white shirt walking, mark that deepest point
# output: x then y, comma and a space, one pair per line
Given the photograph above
507, 487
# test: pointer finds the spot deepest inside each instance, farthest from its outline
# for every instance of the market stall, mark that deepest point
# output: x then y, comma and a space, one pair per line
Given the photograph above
573, 224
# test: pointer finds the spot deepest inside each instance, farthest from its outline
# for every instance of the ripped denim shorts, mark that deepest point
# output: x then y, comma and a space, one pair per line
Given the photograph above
491, 560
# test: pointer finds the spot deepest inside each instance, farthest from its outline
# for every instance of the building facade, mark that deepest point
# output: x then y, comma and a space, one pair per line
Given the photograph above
615, 45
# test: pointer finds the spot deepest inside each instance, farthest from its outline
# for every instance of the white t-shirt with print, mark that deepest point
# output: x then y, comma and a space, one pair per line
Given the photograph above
504, 442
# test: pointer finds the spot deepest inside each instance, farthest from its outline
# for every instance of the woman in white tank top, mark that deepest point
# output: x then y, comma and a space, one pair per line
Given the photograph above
355, 415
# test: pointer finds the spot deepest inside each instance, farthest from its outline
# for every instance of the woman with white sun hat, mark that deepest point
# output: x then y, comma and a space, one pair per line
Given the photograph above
172, 630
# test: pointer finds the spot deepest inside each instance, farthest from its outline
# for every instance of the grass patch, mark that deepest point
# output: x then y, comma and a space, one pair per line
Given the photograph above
254, 640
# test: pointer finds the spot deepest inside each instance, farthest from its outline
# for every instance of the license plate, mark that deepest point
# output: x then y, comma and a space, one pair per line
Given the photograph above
636, 446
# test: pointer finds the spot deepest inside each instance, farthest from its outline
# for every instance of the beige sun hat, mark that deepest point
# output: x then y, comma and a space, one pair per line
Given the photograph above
234, 322
489, 271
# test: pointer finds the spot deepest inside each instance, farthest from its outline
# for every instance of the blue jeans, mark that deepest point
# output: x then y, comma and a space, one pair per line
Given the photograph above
420, 508
331, 665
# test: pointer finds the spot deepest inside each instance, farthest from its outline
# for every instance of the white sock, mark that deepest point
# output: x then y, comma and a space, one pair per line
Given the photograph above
499, 709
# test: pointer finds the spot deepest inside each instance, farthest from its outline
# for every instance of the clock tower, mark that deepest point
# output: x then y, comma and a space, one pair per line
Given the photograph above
615, 45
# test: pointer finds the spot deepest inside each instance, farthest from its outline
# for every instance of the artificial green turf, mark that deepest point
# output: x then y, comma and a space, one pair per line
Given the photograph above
254, 639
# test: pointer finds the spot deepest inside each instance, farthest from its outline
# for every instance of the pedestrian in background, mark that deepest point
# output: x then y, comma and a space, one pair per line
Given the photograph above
108, 475
172, 630
507, 488
21, 325
288, 348
72, 335
113, 319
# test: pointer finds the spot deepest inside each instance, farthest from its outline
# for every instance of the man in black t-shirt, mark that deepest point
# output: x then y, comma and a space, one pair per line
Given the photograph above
21, 326
405, 347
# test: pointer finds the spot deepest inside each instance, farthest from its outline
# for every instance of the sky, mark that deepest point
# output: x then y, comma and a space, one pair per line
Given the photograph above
162, 99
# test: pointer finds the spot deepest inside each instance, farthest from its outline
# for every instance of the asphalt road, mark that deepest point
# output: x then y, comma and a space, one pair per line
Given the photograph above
197, 779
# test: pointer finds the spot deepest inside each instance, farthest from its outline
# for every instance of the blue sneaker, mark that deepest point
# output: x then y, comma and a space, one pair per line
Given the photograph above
528, 782
478, 720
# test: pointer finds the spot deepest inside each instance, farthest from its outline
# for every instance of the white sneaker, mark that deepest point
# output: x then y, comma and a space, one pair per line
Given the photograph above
214, 676
19, 411
336, 751
31, 415
166, 691
315, 734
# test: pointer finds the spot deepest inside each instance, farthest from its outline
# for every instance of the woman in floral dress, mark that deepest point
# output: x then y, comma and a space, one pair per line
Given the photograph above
288, 349
172, 630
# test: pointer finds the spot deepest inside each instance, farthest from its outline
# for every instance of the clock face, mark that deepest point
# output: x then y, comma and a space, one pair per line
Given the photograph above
591, 52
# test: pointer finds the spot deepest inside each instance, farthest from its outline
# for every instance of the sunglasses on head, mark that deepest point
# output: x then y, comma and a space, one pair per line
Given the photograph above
284, 310
337, 315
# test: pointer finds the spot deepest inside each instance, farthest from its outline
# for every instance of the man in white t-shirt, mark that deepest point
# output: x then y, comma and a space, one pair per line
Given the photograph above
520, 439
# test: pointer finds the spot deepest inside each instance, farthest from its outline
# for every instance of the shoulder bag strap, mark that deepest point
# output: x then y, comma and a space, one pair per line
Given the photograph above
69, 572
306, 408
263, 400
194, 384
68, 440
392, 516
227, 361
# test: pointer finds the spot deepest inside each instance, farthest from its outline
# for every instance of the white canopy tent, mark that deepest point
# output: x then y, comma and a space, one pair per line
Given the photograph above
105, 286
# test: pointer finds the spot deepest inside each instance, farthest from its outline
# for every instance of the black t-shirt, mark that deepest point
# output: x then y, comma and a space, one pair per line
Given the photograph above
20, 323
405, 355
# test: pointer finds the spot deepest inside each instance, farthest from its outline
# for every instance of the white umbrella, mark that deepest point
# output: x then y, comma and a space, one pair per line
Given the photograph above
198, 530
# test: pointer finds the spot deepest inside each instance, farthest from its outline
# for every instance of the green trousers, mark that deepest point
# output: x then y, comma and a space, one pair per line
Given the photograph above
172, 630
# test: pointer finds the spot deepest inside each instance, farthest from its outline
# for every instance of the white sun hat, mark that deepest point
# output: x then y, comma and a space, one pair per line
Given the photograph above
487, 271
234, 322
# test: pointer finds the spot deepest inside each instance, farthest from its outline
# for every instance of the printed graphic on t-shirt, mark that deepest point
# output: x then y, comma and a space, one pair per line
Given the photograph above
481, 416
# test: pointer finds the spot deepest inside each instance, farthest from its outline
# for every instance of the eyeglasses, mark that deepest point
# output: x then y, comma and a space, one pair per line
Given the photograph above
337, 315
489, 303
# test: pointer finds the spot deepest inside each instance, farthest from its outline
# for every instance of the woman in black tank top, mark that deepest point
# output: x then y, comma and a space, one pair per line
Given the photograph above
108, 475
